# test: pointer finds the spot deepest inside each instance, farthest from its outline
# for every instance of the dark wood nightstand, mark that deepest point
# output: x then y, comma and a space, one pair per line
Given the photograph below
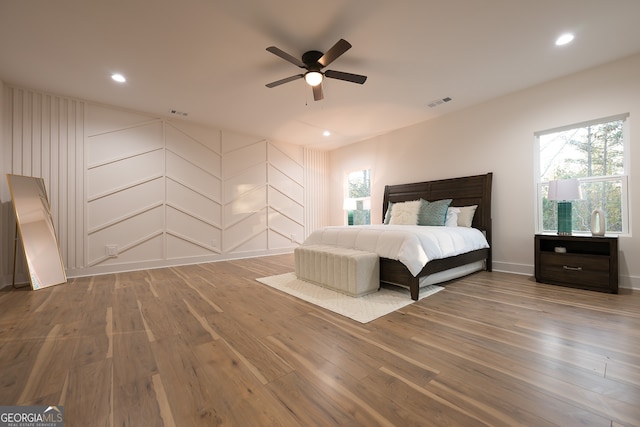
588, 262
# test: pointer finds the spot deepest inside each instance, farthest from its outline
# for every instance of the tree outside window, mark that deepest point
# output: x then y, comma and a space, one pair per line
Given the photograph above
593, 153
358, 201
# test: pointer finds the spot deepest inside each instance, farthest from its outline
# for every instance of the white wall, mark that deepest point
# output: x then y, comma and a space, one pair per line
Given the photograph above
497, 137
161, 192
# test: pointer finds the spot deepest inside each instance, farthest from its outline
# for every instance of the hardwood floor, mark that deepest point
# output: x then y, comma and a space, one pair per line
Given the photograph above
207, 345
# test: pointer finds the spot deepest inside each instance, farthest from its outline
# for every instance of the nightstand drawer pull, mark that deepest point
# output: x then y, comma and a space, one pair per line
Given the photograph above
566, 267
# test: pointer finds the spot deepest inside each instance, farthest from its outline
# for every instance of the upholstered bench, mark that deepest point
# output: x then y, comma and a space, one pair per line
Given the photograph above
350, 271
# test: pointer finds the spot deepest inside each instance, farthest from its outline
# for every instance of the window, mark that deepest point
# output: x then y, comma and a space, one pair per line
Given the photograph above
358, 199
595, 153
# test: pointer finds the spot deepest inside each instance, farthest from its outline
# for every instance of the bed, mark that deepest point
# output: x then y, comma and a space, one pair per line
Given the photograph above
465, 191
407, 256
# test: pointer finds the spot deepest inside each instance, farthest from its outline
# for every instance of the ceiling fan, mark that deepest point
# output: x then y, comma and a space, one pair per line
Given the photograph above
314, 61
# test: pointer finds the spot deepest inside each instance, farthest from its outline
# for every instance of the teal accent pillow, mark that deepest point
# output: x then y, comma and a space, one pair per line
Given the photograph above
433, 213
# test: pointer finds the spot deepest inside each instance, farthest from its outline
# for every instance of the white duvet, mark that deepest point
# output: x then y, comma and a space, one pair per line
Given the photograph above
412, 245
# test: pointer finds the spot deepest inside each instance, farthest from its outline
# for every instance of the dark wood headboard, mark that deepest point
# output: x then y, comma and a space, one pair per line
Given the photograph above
465, 191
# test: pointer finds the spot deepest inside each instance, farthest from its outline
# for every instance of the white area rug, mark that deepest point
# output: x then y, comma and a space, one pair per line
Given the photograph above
363, 309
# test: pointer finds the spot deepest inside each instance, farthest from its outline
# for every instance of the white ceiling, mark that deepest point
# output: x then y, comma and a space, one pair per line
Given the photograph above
208, 57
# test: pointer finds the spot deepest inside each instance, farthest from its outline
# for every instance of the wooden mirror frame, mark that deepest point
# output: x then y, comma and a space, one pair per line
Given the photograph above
34, 226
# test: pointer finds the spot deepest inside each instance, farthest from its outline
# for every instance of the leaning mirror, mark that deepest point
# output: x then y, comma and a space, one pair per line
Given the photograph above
34, 227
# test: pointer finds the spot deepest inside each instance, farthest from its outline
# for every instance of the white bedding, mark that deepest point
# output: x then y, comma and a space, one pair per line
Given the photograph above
412, 245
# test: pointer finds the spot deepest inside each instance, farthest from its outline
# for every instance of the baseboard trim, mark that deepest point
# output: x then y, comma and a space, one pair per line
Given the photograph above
625, 282
150, 265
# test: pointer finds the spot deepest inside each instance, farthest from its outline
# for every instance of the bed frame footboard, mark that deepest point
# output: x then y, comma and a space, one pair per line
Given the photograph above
396, 273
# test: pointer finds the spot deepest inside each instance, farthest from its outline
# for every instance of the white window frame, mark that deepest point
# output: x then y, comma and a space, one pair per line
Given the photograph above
364, 200
624, 179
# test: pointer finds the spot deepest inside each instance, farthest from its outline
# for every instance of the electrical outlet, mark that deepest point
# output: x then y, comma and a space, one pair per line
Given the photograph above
111, 250
293, 237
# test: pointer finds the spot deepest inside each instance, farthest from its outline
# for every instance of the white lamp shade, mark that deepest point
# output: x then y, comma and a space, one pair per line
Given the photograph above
313, 78
349, 204
564, 189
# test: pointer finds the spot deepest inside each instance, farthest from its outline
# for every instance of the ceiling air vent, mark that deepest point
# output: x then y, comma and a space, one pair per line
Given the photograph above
178, 113
437, 102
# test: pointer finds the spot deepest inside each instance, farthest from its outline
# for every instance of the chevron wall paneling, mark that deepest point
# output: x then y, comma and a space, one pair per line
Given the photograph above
286, 198
263, 195
125, 193
130, 190
194, 191
245, 194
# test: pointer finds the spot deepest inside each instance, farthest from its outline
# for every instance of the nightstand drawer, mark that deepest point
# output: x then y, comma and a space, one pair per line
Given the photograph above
584, 270
585, 262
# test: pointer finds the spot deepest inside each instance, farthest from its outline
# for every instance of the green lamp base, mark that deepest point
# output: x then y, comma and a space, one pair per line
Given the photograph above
564, 218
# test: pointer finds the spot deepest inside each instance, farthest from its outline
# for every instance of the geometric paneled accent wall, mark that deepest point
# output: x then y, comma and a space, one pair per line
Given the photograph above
170, 190
263, 196
124, 191
130, 190
193, 192
286, 199
244, 172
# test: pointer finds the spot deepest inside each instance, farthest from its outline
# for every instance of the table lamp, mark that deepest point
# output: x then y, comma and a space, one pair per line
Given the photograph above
350, 205
563, 191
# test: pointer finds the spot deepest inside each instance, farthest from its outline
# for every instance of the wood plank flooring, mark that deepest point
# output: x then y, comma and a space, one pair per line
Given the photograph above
207, 345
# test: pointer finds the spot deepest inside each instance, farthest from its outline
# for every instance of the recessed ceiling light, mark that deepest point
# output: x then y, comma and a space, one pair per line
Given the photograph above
326, 133
118, 78
564, 39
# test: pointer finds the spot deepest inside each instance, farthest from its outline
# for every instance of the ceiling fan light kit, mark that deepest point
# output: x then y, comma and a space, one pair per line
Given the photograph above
314, 61
313, 78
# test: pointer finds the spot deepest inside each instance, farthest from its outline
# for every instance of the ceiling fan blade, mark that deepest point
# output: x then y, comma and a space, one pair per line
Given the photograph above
349, 77
336, 50
317, 93
283, 81
284, 55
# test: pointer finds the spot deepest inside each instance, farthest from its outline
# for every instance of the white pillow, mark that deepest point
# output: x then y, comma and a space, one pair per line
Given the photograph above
452, 217
465, 217
405, 213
